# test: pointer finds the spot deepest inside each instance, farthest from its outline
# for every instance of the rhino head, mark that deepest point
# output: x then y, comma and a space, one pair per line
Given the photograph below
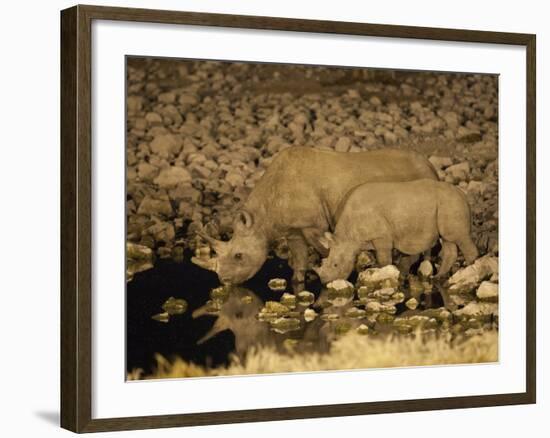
239, 316
240, 258
339, 262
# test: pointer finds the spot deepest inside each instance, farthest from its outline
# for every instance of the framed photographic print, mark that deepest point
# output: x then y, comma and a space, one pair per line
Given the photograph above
268, 218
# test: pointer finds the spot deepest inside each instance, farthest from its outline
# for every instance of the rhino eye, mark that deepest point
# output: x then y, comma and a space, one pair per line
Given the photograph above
336, 265
239, 256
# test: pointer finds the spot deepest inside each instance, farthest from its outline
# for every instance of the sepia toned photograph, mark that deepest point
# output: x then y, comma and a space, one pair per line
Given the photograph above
287, 218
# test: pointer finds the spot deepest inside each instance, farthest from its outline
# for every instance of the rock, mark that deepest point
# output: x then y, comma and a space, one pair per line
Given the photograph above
168, 97
452, 119
465, 135
163, 232
363, 261
425, 269
390, 137
376, 307
489, 112
440, 162
310, 315
288, 300
479, 311
147, 172
134, 104
187, 101
235, 179
166, 145
343, 144
476, 187
363, 329
412, 303
467, 278
459, 171
377, 278
416, 107
340, 292
277, 284
305, 298
153, 119
355, 313
151, 206
172, 177
185, 192
375, 101
139, 258
175, 306
487, 291
285, 325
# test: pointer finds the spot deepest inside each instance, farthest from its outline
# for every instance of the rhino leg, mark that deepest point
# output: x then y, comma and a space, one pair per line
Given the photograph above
406, 262
448, 257
383, 248
468, 249
298, 260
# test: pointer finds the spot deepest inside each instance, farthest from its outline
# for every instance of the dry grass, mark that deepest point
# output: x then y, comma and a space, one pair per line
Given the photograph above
350, 352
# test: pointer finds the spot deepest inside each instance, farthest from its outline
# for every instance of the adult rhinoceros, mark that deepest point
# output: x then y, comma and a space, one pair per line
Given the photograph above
297, 197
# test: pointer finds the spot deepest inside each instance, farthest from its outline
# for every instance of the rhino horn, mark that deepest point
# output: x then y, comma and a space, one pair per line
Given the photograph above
217, 245
201, 311
221, 324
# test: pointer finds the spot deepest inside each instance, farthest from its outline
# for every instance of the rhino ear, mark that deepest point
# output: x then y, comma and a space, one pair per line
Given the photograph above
245, 218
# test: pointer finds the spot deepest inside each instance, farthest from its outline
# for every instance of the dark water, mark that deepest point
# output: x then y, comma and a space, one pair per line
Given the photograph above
147, 292
150, 289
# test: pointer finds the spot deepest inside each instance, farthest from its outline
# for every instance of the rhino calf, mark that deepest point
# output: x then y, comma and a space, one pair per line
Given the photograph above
408, 216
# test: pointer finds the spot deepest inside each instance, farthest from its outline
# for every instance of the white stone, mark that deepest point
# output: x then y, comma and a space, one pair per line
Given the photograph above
487, 290
425, 269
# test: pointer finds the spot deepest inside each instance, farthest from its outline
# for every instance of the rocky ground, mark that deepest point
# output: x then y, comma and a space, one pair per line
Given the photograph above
200, 134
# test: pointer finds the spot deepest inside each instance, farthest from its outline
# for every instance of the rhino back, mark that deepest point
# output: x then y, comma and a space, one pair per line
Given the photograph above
408, 210
303, 186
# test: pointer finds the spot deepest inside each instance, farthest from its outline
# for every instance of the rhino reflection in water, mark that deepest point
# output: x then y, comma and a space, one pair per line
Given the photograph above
238, 314
297, 198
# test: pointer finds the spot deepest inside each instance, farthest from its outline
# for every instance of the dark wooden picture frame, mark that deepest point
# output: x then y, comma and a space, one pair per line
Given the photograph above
76, 214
